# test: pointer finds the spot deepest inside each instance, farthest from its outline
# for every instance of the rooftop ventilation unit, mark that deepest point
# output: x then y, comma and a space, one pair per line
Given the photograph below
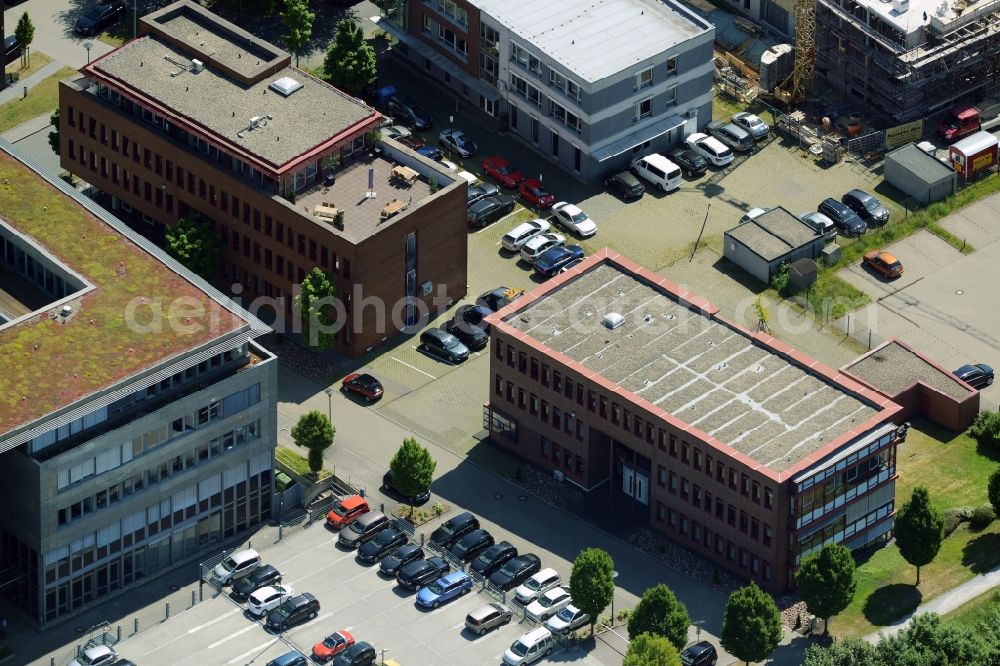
285, 86
613, 320
197, 66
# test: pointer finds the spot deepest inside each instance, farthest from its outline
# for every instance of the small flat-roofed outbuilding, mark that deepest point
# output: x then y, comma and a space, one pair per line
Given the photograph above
923, 177
760, 245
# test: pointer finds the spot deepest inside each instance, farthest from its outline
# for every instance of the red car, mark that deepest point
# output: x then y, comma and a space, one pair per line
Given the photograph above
363, 385
332, 645
503, 171
534, 193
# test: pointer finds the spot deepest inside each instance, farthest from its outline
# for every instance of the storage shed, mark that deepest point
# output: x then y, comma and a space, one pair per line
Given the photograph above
760, 245
923, 177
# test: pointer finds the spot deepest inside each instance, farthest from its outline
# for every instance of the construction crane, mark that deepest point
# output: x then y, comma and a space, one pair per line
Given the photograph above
801, 78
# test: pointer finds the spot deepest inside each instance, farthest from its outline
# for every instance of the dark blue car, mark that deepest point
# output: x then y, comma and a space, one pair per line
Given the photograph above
550, 262
845, 219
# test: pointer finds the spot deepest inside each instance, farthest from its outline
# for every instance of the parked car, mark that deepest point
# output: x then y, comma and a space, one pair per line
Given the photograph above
391, 564
843, 217
444, 589
488, 616
731, 135
625, 185
346, 511
397, 132
261, 577
699, 654
503, 171
332, 645
473, 315
752, 214
472, 337
235, 566
470, 545
480, 191
363, 385
976, 375
570, 265
529, 648
499, 298
416, 500
100, 17
710, 148
867, 207
657, 170
409, 112
884, 263
448, 165
537, 585
459, 142
419, 573
266, 599
572, 219
99, 655
454, 529
552, 261
444, 345
295, 610
539, 245
11, 49
514, 239
493, 558
294, 658
430, 152
359, 654
535, 194
751, 124
548, 604
820, 223
516, 571
361, 530
691, 163
382, 544
489, 210
566, 620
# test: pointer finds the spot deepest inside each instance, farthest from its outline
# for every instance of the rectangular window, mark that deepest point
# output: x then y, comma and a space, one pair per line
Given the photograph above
643, 79
643, 109
671, 65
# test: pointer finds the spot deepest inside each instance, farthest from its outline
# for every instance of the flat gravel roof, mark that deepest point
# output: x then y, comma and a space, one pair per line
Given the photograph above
893, 368
773, 234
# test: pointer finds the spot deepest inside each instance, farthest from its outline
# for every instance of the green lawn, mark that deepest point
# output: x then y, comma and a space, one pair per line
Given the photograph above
41, 100
298, 464
38, 60
971, 612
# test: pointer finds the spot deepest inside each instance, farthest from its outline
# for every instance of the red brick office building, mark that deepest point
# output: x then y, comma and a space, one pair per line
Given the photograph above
198, 117
734, 445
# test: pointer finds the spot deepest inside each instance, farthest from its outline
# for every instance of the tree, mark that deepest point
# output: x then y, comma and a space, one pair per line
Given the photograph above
851, 651
930, 640
412, 469
316, 299
299, 22
661, 614
826, 582
350, 63
192, 243
993, 491
54, 134
592, 583
751, 624
918, 530
649, 650
25, 33
315, 433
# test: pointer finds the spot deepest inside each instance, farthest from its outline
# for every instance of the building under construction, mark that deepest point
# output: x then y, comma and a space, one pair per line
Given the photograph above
908, 59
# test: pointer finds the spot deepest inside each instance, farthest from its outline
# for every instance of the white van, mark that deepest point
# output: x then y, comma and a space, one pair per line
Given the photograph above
531, 647
515, 239
658, 170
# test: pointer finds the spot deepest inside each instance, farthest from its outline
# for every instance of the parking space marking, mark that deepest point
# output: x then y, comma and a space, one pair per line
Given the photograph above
317, 570
211, 622
307, 551
412, 367
233, 635
259, 648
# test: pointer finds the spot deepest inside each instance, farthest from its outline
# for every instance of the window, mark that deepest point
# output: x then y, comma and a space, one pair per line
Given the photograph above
450, 9
768, 498
643, 79
526, 90
661, 475
672, 65
452, 41
643, 109
565, 117
526, 58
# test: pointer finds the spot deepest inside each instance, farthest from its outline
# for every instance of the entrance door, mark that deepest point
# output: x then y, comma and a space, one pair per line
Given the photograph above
641, 488
628, 480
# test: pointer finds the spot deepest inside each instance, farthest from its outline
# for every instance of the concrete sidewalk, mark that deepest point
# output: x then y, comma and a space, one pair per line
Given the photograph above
16, 91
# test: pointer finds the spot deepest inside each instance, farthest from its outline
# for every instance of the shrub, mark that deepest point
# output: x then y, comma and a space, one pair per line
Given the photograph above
780, 280
952, 519
982, 517
985, 428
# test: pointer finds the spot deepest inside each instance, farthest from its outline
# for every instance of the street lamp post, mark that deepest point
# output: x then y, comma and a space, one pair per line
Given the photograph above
614, 576
697, 628
88, 46
329, 399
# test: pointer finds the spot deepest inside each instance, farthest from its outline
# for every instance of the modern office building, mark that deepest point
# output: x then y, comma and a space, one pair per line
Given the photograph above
137, 414
731, 443
198, 117
589, 86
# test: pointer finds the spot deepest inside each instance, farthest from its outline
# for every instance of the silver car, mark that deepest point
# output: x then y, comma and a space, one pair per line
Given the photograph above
488, 617
757, 128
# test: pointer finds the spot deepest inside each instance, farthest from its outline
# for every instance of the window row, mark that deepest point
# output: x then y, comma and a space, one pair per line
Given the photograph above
559, 418
704, 537
562, 457
723, 511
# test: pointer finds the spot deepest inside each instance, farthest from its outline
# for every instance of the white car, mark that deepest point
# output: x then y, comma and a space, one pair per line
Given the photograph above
448, 165
515, 239
99, 655
539, 245
710, 148
268, 598
752, 124
568, 619
573, 219
459, 142
752, 214
397, 132
547, 605
541, 582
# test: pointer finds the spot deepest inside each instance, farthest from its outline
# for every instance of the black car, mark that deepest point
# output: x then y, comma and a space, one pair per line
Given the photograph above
470, 545
11, 49
978, 375
261, 577
867, 207
295, 610
359, 654
498, 298
489, 209
474, 315
480, 191
516, 571
473, 336
454, 529
494, 557
384, 543
845, 219
399, 558
99, 17
409, 112
625, 185
690, 162
699, 654
416, 500
417, 574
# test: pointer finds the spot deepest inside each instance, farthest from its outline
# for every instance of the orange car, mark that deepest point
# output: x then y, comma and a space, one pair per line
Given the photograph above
346, 511
884, 263
332, 645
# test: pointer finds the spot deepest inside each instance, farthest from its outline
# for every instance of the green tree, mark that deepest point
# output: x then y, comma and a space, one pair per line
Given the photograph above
316, 301
993, 491
826, 582
751, 624
350, 63
918, 530
412, 469
660, 613
851, 651
592, 582
650, 650
299, 22
930, 640
54, 134
315, 433
25, 33
192, 243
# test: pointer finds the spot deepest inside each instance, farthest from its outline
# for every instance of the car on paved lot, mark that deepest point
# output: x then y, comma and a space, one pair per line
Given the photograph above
235, 566
448, 165
566, 620
883, 262
100, 17
99, 655
416, 500
529, 648
570, 265
471, 544
493, 558
710, 148
346, 511
363, 385
699, 654
502, 171
496, 299
488, 616
820, 223
459, 142
572, 219
444, 589
382, 544
12, 47
625, 185
266, 599
537, 585
976, 375
429, 152
332, 645
409, 112
489, 209
515, 571
867, 207
473, 315
753, 214
691, 163
359, 654
419, 573
397, 132
471, 336
295, 610
846, 220
514, 239
751, 124
548, 604
552, 261
361, 530
391, 564
444, 345
731, 135
454, 529
539, 245
535, 194
294, 658
261, 577
480, 191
